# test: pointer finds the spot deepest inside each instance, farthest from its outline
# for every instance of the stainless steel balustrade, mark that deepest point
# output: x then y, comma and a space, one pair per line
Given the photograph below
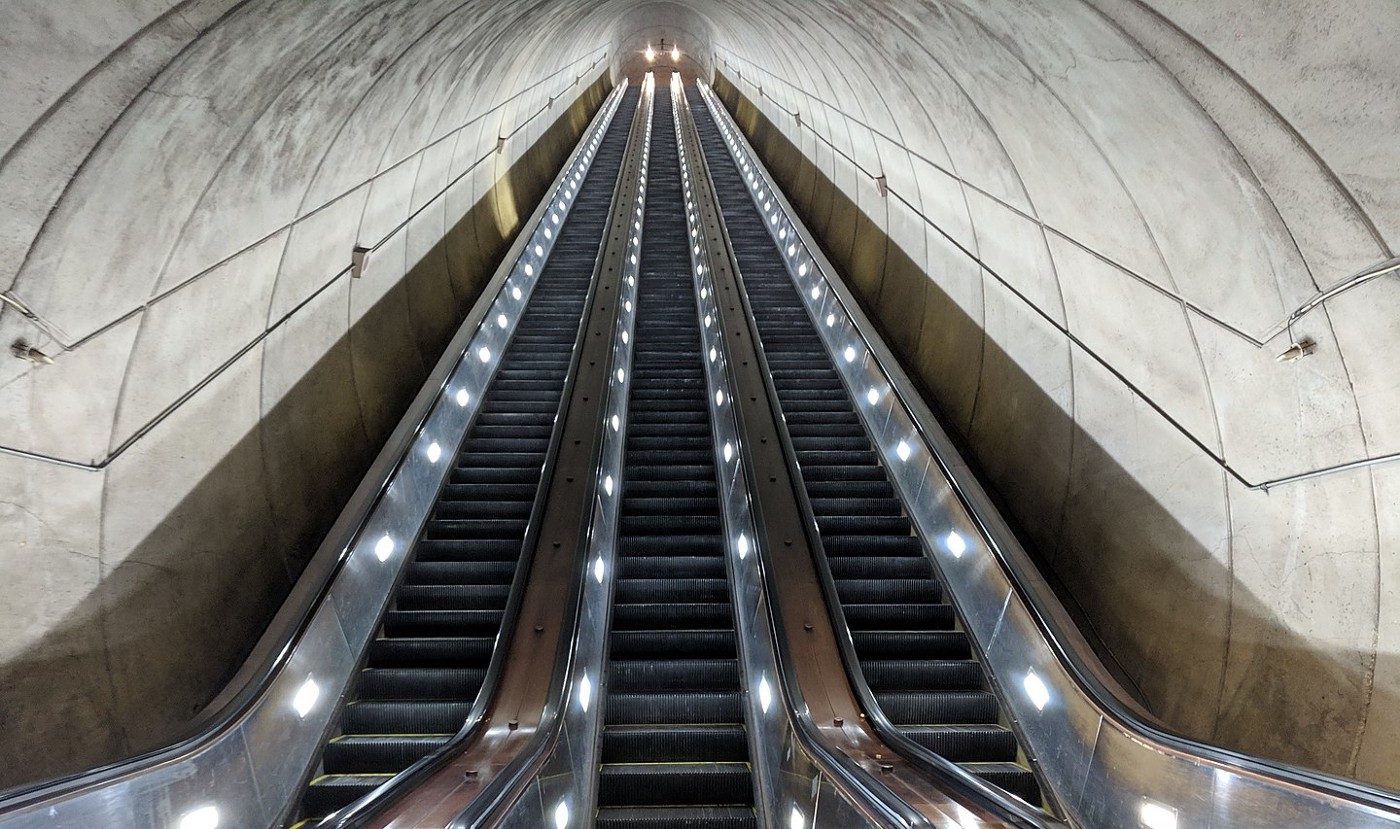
246, 765
563, 792
1108, 765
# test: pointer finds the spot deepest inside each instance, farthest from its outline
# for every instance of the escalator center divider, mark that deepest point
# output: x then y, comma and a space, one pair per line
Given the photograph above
440, 636
674, 744
905, 654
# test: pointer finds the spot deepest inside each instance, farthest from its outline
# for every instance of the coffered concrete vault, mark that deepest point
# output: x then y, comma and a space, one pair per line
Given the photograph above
1096, 218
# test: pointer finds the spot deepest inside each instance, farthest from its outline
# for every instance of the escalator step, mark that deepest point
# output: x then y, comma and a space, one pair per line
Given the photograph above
674, 743
899, 616
678, 817
965, 743
355, 753
884, 644
666, 784
931, 707
1013, 778
638, 708
421, 683
647, 644
402, 718
452, 596
473, 651
672, 616
922, 674
680, 567
888, 591
640, 591
333, 792
673, 674
442, 622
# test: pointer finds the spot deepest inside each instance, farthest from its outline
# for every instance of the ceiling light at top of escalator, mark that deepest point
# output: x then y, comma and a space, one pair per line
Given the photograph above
650, 53
675, 54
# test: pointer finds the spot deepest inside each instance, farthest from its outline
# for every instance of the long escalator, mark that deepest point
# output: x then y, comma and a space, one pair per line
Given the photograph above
674, 748
423, 673
917, 664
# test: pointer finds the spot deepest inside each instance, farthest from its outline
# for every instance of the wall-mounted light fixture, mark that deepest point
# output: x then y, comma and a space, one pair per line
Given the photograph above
650, 53
25, 351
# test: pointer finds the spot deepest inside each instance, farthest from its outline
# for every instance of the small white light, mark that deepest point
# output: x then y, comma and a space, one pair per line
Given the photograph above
872, 397
539, 251
830, 320
767, 206
555, 217
585, 685
765, 694
782, 234
696, 250
714, 355
616, 423
462, 397
743, 545
708, 320
795, 820
624, 338
548, 234
956, 545
792, 250
902, 451
802, 269
628, 306
621, 375
529, 269
383, 548
561, 812
1157, 816
434, 452
637, 225
598, 569
728, 451
608, 485
634, 259
675, 55
483, 354
1037, 692
305, 698
816, 292
502, 321
515, 293
719, 398
850, 353
205, 817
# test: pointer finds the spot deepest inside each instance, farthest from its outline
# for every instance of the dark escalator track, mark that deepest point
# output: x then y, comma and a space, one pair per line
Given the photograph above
424, 671
674, 749
916, 662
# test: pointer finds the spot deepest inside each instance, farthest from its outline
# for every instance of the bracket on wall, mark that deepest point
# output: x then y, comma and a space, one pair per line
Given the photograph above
357, 261
500, 145
883, 185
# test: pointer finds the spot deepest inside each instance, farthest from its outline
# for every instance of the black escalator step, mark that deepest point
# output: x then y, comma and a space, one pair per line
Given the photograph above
452, 596
864, 525
884, 644
965, 743
673, 674
648, 644
668, 784
671, 616
672, 504
676, 567
922, 674
899, 616
670, 524
677, 545
680, 489
495, 475
669, 472
880, 567
1009, 776
814, 471
461, 652
675, 743
888, 590
502, 528
442, 622
468, 549
331, 793
446, 510
696, 707
420, 683
651, 591
461, 572
397, 717
369, 754
472, 493
849, 489
872, 545
936, 707
677, 817
857, 506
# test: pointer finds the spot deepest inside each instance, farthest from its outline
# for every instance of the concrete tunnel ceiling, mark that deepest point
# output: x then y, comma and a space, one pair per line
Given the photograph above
1096, 217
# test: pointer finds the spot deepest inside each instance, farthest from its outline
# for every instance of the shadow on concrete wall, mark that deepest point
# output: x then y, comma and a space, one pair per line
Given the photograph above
166, 629
1157, 606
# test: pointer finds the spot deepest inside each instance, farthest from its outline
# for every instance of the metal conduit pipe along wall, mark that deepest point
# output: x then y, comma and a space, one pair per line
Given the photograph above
1074, 224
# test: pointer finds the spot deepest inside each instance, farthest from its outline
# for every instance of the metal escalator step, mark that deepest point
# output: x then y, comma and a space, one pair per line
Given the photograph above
333, 792
921, 644
675, 589
440, 651
397, 717
677, 504
369, 754
476, 528
936, 707
695, 707
673, 674
461, 572
452, 596
486, 508
880, 567
965, 743
678, 817
442, 622
671, 616
670, 524
653, 644
922, 674
495, 475
1013, 778
671, 545
888, 590
679, 567
420, 683
864, 525
857, 506
674, 743
668, 784
872, 545
899, 616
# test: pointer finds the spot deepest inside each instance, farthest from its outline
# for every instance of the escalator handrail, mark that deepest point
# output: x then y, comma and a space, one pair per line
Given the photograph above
1006, 806
873, 797
360, 812
273, 649
1059, 631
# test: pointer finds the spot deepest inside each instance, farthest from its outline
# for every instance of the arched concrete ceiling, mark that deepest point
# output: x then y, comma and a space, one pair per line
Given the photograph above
1111, 203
